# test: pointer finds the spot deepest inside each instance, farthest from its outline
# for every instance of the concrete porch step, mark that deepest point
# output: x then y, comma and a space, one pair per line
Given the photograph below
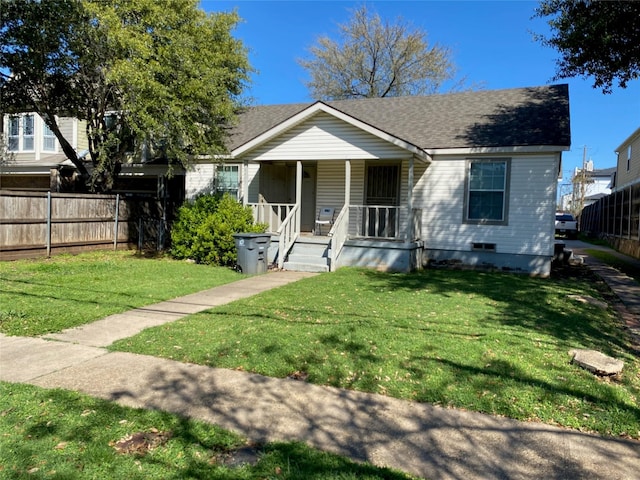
309, 254
306, 258
305, 267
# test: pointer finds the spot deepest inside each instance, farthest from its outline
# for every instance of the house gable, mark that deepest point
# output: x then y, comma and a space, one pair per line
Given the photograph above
325, 137
322, 132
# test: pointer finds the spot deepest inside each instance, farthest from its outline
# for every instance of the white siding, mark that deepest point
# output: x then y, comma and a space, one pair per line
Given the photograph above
357, 182
254, 182
324, 137
199, 180
440, 193
330, 185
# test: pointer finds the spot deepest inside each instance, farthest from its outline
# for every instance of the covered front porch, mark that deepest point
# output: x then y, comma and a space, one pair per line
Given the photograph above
372, 221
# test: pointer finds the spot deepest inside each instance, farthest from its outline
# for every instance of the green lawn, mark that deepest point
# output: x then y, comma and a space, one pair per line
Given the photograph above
488, 342
44, 296
65, 435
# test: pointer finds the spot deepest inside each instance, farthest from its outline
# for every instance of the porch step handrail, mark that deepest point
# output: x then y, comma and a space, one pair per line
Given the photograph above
288, 234
273, 214
338, 234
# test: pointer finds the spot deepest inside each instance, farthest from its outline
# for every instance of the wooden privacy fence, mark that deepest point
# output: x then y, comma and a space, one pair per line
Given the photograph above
44, 223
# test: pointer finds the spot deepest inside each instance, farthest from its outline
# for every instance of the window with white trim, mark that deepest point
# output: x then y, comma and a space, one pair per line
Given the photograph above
13, 134
486, 191
20, 135
48, 139
27, 133
227, 179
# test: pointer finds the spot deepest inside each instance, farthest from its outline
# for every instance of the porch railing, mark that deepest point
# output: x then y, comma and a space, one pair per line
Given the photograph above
354, 221
339, 234
376, 221
288, 233
273, 214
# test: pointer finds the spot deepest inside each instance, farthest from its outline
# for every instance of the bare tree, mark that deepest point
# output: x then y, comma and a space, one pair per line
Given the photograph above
375, 58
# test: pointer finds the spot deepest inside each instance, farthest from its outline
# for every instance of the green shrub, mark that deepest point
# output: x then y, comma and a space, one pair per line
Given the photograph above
189, 217
204, 229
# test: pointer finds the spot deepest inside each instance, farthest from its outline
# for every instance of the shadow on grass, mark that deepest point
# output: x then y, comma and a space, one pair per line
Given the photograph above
532, 303
82, 432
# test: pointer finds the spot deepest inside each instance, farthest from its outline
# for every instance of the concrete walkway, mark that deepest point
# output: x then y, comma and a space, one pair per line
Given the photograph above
624, 287
420, 439
627, 289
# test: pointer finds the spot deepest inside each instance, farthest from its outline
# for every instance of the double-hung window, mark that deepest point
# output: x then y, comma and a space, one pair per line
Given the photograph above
48, 139
20, 135
227, 180
13, 134
486, 192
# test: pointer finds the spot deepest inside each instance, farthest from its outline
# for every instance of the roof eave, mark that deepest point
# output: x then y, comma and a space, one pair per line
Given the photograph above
497, 150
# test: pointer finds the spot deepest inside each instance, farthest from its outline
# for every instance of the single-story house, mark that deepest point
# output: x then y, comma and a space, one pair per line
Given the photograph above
463, 179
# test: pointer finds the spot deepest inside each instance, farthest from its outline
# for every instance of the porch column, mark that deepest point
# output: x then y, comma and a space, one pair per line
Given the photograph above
245, 182
298, 192
410, 201
347, 183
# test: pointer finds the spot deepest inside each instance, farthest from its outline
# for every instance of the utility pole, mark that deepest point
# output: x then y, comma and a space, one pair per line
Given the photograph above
580, 181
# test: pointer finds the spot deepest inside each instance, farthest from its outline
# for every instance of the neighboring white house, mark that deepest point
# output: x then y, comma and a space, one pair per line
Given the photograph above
597, 184
467, 178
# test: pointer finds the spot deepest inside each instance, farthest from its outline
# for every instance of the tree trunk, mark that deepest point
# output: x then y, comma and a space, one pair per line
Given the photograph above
68, 150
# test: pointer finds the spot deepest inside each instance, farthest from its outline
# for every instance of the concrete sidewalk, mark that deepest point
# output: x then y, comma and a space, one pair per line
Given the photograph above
420, 439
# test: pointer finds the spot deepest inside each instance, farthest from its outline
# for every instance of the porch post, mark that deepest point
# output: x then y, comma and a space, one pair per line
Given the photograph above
347, 183
298, 191
245, 182
409, 234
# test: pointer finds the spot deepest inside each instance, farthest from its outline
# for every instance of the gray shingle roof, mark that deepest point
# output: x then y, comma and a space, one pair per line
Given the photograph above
486, 118
604, 172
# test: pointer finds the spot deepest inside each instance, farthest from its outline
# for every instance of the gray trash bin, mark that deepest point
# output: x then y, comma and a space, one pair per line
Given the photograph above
252, 252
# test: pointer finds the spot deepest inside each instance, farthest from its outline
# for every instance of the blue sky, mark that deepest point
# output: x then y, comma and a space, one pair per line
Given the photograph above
492, 44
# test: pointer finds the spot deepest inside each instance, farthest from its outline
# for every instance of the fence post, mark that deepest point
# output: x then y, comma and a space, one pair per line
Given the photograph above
140, 233
115, 226
48, 239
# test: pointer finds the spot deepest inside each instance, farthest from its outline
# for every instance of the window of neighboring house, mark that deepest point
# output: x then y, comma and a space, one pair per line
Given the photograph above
21, 134
629, 158
227, 179
48, 139
13, 134
27, 132
487, 191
